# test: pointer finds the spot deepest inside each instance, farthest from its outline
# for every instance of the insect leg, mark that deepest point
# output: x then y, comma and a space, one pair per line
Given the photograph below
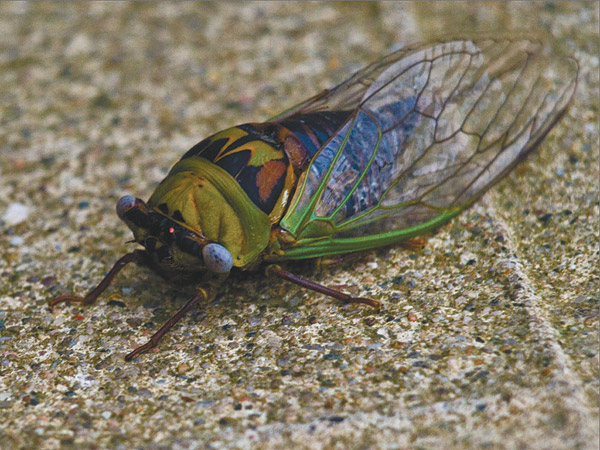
95, 293
156, 337
413, 244
278, 271
336, 260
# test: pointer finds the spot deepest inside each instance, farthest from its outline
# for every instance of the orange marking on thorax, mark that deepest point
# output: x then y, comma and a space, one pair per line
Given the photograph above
268, 176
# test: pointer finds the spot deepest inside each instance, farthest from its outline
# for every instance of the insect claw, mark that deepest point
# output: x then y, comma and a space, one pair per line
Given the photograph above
68, 299
141, 349
365, 301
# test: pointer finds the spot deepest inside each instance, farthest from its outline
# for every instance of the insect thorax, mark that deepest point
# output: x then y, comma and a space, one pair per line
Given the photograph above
235, 185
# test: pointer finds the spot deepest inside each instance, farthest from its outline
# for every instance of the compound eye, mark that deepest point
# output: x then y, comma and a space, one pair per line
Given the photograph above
217, 258
125, 204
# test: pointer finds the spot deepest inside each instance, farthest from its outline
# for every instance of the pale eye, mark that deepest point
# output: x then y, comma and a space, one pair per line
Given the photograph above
217, 258
125, 204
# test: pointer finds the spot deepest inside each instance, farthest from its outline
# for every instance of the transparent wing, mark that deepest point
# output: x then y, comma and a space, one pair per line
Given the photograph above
434, 128
347, 95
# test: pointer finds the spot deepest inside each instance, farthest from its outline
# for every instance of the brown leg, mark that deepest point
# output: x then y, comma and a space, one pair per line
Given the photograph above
95, 293
156, 337
278, 271
341, 259
413, 244
410, 244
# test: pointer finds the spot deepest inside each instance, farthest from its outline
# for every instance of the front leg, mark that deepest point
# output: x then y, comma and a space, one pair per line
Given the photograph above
205, 294
137, 256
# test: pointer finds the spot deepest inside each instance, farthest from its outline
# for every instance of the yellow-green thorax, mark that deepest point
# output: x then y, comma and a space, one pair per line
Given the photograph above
207, 200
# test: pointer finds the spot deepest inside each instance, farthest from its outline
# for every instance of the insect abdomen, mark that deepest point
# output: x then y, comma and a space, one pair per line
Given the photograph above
314, 129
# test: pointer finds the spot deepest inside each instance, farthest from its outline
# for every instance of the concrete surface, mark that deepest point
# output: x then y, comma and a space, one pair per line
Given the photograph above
488, 337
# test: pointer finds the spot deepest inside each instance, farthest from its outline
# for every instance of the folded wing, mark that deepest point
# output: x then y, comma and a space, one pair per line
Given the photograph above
432, 128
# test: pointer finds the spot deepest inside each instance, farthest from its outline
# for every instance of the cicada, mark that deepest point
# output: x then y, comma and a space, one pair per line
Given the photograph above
395, 151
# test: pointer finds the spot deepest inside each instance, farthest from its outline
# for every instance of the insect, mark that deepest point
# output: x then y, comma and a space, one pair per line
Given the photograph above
395, 151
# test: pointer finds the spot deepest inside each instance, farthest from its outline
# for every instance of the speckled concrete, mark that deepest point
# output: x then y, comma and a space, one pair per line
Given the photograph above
488, 336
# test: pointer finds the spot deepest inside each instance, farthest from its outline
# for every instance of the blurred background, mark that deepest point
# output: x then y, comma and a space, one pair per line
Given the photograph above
488, 337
